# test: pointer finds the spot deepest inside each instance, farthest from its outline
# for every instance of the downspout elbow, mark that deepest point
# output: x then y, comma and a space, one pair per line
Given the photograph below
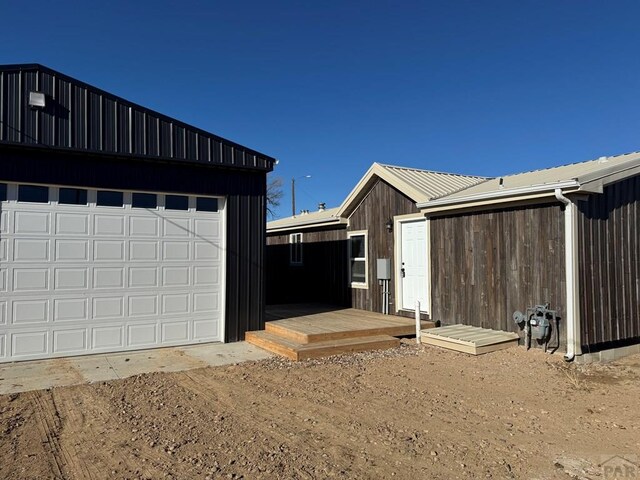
561, 198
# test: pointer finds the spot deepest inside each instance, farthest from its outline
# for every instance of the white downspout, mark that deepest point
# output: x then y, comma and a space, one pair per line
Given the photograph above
574, 346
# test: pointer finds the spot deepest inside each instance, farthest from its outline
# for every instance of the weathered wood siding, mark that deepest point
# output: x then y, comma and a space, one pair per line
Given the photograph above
486, 265
609, 266
323, 276
382, 203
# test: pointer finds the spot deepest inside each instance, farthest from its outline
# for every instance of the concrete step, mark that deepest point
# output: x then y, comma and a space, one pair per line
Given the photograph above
299, 351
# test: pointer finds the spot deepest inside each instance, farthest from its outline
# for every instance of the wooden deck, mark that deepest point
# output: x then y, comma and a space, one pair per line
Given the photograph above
310, 331
468, 339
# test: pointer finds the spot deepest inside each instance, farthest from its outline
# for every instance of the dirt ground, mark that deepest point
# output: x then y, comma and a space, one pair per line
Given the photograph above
409, 413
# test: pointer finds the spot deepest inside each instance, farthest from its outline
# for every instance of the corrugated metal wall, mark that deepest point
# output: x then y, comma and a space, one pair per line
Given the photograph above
245, 192
79, 116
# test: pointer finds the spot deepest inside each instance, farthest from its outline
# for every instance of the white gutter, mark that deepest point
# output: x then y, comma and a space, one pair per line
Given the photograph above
507, 192
574, 346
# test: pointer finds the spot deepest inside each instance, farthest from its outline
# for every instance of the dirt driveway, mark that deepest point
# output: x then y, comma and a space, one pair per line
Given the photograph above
410, 413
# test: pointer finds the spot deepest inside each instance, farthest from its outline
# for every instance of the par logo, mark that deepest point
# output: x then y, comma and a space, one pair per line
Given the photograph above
620, 467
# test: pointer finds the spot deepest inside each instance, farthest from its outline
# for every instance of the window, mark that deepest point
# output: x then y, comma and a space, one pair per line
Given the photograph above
295, 249
72, 196
176, 202
144, 200
204, 204
3, 192
33, 194
107, 198
358, 259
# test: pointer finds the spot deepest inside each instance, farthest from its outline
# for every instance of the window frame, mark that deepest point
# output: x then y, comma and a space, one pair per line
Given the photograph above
292, 248
365, 259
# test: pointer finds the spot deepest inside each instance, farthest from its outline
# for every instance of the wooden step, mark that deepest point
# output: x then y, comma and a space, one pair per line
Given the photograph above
299, 351
469, 339
311, 330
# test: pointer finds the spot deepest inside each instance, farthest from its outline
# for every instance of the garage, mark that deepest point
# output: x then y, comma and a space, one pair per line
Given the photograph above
108, 251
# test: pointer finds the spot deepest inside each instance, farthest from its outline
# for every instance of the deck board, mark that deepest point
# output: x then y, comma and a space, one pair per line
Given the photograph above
469, 339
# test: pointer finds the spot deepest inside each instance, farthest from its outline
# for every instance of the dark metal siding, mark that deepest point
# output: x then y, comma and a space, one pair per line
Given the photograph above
486, 265
81, 117
245, 192
609, 266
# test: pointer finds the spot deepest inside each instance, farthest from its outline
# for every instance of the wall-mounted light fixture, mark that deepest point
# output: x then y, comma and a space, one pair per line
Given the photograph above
389, 225
37, 100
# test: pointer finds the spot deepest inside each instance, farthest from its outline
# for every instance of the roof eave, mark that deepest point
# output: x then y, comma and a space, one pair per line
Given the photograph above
310, 224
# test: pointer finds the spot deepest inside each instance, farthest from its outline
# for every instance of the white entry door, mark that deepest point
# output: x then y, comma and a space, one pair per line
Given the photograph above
413, 267
85, 271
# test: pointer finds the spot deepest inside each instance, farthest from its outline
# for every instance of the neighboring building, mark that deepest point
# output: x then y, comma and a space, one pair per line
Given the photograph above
566, 235
340, 247
120, 228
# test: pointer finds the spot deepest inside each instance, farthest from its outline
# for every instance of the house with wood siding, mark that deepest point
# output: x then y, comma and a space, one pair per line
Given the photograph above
331, 256
567, 236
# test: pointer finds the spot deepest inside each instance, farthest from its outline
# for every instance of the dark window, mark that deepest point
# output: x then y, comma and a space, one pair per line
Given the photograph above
176, 202
144, 200
33, 193
358, 258
72, 196
107, 198
206, 204
3, 192
295, 249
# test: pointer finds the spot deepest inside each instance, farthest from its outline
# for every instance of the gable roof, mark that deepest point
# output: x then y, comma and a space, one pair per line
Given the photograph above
588, 177
419, 185
319, 218
78, 117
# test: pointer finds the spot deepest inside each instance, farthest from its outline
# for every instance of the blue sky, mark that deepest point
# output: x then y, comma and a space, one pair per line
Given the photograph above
478, 87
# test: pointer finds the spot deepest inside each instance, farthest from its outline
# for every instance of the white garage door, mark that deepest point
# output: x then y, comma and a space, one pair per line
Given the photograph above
87, 271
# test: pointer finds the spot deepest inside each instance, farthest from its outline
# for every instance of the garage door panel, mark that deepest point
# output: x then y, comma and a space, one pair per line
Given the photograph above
207, 251
77, 279
108, 307
30, 344
176, 251
108, 225
108, 251
72, 224
70, 309
143, 277
174, 332
143, 306
140, 226
141, 251
32, 223
142, 335
70, 341
71, 278
108, 277
71, 250
207, 228
175, 276
206, 276
177, 227
177, 303
30, 250
30, 279
109, 337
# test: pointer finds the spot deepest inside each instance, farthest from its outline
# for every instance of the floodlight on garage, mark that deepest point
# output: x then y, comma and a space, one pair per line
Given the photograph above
37, 100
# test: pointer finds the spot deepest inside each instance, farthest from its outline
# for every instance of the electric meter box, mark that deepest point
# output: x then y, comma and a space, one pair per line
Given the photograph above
384, 268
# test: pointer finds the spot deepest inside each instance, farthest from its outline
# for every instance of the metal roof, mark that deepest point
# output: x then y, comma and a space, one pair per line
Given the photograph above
589, 176
318, 218
78, 117
417, 184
